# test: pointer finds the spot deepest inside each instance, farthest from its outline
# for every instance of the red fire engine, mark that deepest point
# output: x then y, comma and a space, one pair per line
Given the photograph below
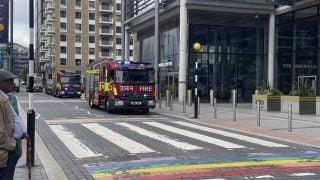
67, 84
114, 85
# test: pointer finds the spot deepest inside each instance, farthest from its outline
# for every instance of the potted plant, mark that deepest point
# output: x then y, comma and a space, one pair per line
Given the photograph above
301, 97
268, 97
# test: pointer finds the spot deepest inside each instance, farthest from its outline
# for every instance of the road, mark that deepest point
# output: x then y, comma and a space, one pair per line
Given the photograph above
92, 144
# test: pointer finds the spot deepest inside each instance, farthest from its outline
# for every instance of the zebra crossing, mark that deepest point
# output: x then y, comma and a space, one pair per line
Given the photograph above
125, 135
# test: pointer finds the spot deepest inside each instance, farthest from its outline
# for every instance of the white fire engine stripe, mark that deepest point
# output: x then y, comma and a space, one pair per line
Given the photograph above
232, 135
78, 149
197, 136
117, 139
175, 143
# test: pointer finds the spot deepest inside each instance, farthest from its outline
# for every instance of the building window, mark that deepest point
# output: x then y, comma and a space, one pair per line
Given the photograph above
78, 72
78, 38
63, 25
119, 52
91, 4
131, 41
78, 62
91, 61
91, 27
78, 15
78, 27
63, 2
78, 50
118, 29
118, 40
91, 51
63, 61
118, 18
78, 3
63, 37
91, 39
91, 16
63, 49
63, 13
118, 7
131, 52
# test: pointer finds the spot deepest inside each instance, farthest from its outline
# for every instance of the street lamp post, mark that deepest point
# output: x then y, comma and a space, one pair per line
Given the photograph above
196, 48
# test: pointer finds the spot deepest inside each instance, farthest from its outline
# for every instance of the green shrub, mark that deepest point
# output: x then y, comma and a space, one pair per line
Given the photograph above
266, 90
304, 88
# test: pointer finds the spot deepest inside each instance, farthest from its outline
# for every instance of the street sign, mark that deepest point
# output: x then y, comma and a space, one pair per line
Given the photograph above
4, 21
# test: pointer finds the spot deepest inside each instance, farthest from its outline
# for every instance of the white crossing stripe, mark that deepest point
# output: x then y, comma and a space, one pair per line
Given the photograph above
196, 136
159, 137
117, 139
303, 174
232, 135
78, 149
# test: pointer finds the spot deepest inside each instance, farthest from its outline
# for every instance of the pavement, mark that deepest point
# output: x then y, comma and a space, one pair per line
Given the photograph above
305, 131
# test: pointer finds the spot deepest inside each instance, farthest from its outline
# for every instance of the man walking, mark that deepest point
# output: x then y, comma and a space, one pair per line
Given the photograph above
11, 128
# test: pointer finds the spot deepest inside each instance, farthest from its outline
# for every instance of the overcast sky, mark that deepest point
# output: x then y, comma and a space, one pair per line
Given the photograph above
21, 22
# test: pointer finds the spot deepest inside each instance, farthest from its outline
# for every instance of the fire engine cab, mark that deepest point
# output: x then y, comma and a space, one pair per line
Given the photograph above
112, 85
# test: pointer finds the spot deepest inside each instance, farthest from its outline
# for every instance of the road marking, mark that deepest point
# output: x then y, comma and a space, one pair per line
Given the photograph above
232, 135
197, 136
159, 137
91, 120
78, 149
303, 174
117, 139
265, 177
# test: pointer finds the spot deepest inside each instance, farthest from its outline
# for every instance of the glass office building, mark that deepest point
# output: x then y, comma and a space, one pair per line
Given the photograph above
298, 45
244, 44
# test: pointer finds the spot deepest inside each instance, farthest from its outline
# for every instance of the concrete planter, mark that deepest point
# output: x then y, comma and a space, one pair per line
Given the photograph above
268, 102
300, 104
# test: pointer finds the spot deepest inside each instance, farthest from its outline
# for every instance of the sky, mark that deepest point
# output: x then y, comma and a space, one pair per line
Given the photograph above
21, 22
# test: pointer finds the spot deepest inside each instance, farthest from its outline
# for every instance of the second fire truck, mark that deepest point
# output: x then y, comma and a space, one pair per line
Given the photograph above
115, 85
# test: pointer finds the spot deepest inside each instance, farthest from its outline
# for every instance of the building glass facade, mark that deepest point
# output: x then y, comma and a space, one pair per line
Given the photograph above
298, 48
230, 58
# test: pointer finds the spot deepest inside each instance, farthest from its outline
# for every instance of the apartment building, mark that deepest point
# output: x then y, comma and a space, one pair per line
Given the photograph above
70, 34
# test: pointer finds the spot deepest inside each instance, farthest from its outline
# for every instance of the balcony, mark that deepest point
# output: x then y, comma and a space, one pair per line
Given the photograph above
106, 55
106, 43
49, 5
107, 20
106, 32
106, 8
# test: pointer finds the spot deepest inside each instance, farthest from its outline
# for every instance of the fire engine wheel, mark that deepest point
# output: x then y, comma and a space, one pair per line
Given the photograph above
145, 111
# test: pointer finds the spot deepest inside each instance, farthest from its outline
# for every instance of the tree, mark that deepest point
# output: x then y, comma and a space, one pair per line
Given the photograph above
24, 74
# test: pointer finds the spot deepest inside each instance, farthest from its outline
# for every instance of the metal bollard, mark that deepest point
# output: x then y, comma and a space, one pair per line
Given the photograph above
160, 102
258, 113
184, 104
167, 98
189, 98
171, 102
290, 118
234, 105
211, 97
215, 108
198, 106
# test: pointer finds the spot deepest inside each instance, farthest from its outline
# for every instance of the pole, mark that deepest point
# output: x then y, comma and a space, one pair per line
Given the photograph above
215, 108
11, 64
123, 17
234, 105
290, 118
196, 88
31, 113
258, 113
156, 46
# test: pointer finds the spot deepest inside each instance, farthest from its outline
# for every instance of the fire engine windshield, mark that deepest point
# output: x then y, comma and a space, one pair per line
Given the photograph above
135, 76
71, 79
